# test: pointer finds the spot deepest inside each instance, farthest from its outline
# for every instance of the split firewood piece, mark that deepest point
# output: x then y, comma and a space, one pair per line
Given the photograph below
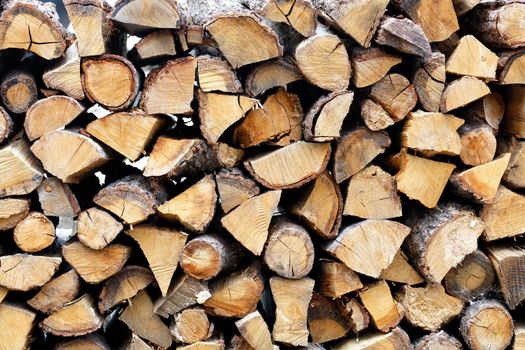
325, 118
12, 211
234, 188
372, 194
356, 314
278, 116
142, 321
91, 342
169, 88
404, 36
320, 206
487, 325
325, 321
461, 92
57, 199
464, 6
395, 339
17, 324
369, 246
141, 16
395, 94
478, 143
490, 108
116, 93
290, 166
432, 133
184, 291
128, 133
508, 261
270, 74
374, 115
216, 74
356, 149
289, 250
323, 60
210, 344
472, 58
23, 272
235, 295
136, 343
512, 65
383, 309
94, 266
429, 242
438, 340
96, 228
428, 307
371, 65
153, 48
242, 37
65, 74
95, 33
254, 329
334, 279
401, 271
519, 335
78, 157
123, 286
207, 255
515, 174
194, 208
32, 26
6, 125
359, 19
503, 217
481, 182
257, 210
429, 81
132, 198
421, 179
162, 247
34, 233
292, 298
56, 293
191, 325
515, 110
18, 90
472, 278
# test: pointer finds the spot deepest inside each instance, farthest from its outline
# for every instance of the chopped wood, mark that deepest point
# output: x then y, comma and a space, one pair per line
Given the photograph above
140, 16
153, 48
461, 92
401, 271
403, 35
300, 15
464, 6
184, 291
383, 309
270, 74
211, 344
255, 331
18, 90
375, 116
334, 279
503, 217
34, 233
395, 94
325, 321
512, 64
395, 339
6, 125
57, 199
12, 211
438, 340
490, 108
472, 58
429, 81
56, 293
371, 65
355, 313
65, 74
514, 175
136, 343
23, 272
216, 74
234, 188
96, 228
17, 324
478, 143
191, 325
515, 111
91, 341
519, 336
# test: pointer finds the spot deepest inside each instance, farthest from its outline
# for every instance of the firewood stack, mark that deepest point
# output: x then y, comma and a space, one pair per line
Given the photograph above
256, 174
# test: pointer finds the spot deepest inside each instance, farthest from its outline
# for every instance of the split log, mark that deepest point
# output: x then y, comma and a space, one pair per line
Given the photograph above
401, 271
369, 246
371, 65
65, 75
519, 336
34, 233
191, 325
95, 266
57, 199
472, 58
472, 278
514, 175
184, 291
429, 242
153, 48
56, 293
234, 188
395, 94
429, 81
382, 307
487, 325
255, 331
478, 143
490, 108
375, 116
210, 344
334, 279
356, 149
270, 74
461, 92
512, 64
404, 36
292, 298
17, 324
372, 194
162, 247
136, 343
12, 211
18, 90
503, 217
78, 157
216, 74
23, 272
464, 6
395, 339
438, 340
6, 125
515, 111
91, 342
325, 321
96, 228
356, 314
117, 93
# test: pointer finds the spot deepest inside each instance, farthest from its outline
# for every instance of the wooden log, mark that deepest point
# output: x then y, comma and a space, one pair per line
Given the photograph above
96, 228
79, 155
292, 298
6, 125
194, 208
514, 111
374, 116
490, 108
255, 331
162, 247
123, 286
136, 343
23, 272
32, 26
395, 94
463, 6
355, 313
502, 217
511, 68
429, 242
114, 94
372, 194
514, 176
371, 65
57, 199
356, 149
472, 278
487, 325
383, 309
429, 81
153, 48
12, 211
94, 266
478, 143
65, 74
395, 339
169, 88
334, 279
184, 291
234, 188
34, 233
472, 58
268, 75
438, 340
191, 325
404, 36
91, 341
401, 271
455, 94
56, 293
325, 321
519, 336
18, 90
216, 74
17, 324
210, 344
377, 240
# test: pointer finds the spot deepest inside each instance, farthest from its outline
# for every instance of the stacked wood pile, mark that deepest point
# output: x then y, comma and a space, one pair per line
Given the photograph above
255, 174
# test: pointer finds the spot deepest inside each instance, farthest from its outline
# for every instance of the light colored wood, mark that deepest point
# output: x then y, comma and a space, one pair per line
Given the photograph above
375, 116
254, 330
513, 65
140, 16
478, 143
382, 307
334, 279
216, 74
514, 175
34, 233
325, 321
490, 108
503, 217
396, 339
6, 125
87, 342
57, 199
191, 325
211, 344
438, 340
65, 74
16, 326
461, 92
355, 313
56, 293
234, 188
20, 171
23, 272
395, 94
96, 228
401, 271
184, 291
404, 36
472, 58
153, 47
270, 74
429, 81
18, 90
12, 211
519, 336
371, 65
300, 15
136, 343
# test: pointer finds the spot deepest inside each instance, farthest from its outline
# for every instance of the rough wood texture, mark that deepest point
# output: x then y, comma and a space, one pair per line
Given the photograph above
270, 74
401, 271
461, 92
153, 48
12, 211
20, 173
34, 233
56, 293
255, 331
502, 217
191, 325
18, 90
514, 111
472, 58
383, 309
184, 291
438, 340
96, 228
478, 143
325, 321
65, 74
19, 321
216, 74
514, 176
334, 279
23, 272
371, 65
300, 15
234, 188
57, 199
429, 81
512, 64
403, 35
140, 16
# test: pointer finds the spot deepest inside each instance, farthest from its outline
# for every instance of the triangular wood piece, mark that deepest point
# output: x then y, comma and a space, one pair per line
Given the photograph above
401, 271
504, 216
325, 118
371, 65
56, 293
57, 199
300, 15
12, 211
17, 323
140, 16
216, 74
461, 92
234, 188
24, 172
96, 228
513, 71
254, 329
23, 272
472, 58
184, 291
65, 75
378, 301
270, 74
154, 47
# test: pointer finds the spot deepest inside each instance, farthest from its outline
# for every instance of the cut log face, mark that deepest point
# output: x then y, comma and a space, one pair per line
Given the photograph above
91, 341
403, 35
472, 58
325, 321
515, 111
429, 81
12, 211
65, 75
438, 340
300, 15
375, 116
395, 339
513, 66
255, 331
355, 313
334, 279
515, 174
461, 92
216, 74
395, 94
191, 325
34, 233
140, 16
401, 271
23, 272
18, 90
184, 291
371, 65
57, 199
382, 307
478, 144
96, 228
378, 240
503, 217
95, 266
234, 188
519, 336
270, 74
20, 322
56, 293
490, 108
211, 344
153, 47
6, 125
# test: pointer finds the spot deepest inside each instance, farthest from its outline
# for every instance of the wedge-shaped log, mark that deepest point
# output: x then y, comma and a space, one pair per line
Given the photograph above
17, 324
461, 92
404, 36
267, 75
36, 232
384, 311
502, 217
395, 339
472, 58
12, 211
65, 74
96, 228
216, 74
56, 293
255, 331
371, 65
334, 279
234, 188
401, 271
23, 272
57, 199
20, 171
